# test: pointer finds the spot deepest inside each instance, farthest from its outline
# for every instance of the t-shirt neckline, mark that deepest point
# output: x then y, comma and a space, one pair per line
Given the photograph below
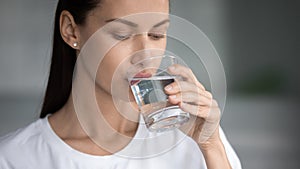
57, 142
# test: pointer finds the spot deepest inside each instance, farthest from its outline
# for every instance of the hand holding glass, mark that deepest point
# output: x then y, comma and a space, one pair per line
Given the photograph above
147, 79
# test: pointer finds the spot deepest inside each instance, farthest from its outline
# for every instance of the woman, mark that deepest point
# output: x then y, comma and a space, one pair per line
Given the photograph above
58, 139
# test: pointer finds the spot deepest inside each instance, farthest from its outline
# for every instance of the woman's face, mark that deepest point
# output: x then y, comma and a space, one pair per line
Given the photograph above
137, 37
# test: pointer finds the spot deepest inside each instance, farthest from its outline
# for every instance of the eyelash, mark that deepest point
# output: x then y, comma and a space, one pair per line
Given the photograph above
121, 37
154, 36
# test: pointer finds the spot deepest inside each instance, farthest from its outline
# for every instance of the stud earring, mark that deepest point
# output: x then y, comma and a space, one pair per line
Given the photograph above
75, 44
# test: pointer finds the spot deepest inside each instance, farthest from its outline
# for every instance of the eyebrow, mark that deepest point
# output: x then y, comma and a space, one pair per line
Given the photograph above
126, 22
161, 23
129, 23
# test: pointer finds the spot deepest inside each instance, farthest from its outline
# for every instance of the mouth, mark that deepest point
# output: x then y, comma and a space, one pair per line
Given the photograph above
137, 78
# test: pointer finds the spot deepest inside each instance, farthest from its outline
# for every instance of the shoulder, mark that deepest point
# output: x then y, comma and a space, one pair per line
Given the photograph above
22, 135
18, 143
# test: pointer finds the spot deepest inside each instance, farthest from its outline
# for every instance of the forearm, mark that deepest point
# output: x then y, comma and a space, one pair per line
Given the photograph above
215, 155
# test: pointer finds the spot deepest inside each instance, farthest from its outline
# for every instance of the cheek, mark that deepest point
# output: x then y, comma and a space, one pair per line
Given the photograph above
105, 73
111, 70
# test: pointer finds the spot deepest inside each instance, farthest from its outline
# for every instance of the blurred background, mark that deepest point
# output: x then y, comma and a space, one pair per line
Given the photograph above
258, 42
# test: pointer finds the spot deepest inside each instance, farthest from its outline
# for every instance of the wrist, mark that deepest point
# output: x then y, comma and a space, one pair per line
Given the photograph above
211, 145
215, 154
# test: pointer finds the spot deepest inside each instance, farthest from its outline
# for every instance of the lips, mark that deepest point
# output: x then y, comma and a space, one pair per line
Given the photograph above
140, 75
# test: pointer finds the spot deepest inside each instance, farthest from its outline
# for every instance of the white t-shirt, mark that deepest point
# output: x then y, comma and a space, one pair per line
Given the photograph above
38, 147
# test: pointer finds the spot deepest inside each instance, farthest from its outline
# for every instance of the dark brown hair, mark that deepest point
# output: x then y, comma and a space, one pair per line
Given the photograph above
63, 57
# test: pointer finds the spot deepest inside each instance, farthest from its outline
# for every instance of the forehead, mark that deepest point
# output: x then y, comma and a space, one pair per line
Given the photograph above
147, 10
121, 8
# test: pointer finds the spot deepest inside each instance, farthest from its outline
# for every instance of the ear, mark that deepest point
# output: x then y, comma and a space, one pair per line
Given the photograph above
69, 30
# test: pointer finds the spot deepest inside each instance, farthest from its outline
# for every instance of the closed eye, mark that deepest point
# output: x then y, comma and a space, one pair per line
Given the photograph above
120, 36
156, 36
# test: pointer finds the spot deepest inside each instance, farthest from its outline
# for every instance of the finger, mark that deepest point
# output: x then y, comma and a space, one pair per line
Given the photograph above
201, 111
184, 72
187, 74
183, 86
214, 103
191, 98
178, 86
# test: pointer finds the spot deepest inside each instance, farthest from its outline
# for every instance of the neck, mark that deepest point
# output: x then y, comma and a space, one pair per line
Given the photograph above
70, 126
120, 115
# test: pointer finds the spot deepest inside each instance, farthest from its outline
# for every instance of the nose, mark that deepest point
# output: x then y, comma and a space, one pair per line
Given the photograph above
141, 48
144, 48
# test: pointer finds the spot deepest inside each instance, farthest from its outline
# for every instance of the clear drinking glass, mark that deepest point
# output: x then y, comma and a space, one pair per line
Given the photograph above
147, 79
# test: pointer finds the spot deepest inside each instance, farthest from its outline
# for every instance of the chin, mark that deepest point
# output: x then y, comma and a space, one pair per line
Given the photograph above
123, 92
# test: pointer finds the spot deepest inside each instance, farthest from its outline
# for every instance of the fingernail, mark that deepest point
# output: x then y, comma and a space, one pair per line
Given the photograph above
168, 87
